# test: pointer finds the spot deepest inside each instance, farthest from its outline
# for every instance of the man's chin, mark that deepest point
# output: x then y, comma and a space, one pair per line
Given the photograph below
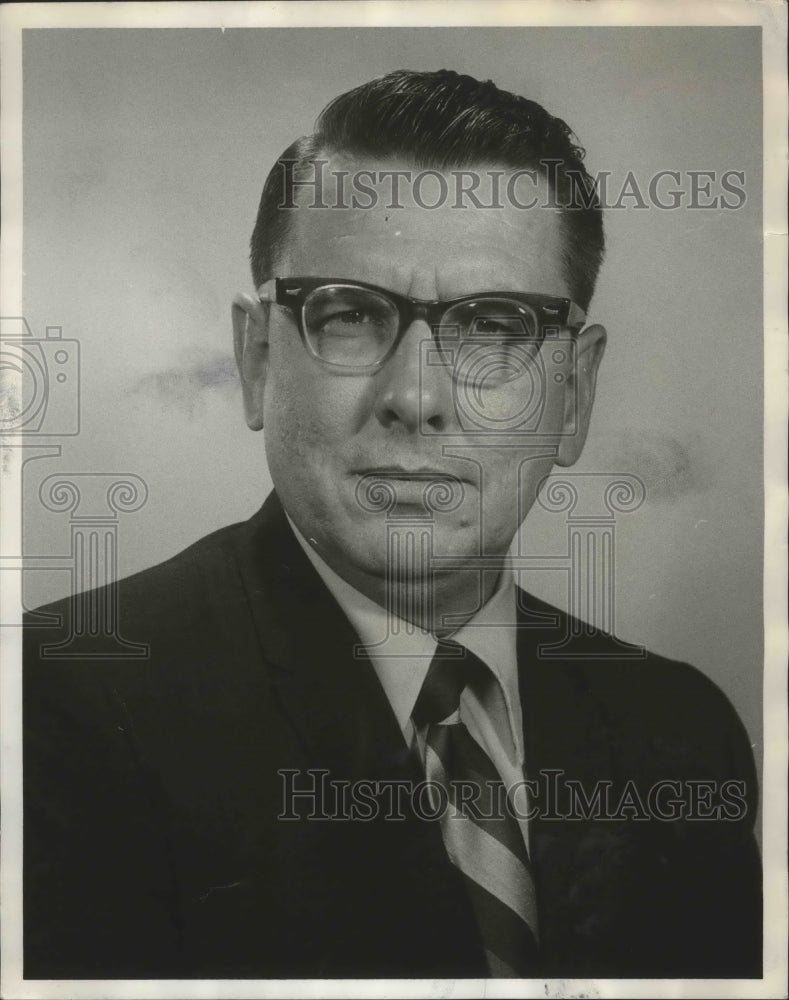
404, 543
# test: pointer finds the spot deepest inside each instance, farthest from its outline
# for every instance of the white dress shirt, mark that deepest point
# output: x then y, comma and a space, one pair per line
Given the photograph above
401, 652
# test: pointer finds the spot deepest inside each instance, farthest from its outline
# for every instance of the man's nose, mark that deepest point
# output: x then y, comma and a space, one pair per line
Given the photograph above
414, 387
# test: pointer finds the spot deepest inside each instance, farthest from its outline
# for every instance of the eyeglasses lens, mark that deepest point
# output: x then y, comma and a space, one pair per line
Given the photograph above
490, 341
349, 326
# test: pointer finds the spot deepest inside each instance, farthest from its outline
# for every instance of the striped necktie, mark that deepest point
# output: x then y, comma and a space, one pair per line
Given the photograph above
482, 838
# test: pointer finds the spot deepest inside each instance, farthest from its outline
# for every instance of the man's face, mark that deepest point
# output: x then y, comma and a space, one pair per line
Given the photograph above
325, 431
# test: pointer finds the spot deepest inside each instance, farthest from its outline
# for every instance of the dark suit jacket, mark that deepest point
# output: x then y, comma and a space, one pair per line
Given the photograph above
153, 847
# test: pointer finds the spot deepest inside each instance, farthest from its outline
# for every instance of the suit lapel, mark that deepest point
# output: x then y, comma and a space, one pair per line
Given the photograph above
581, 865
403, 910
331, 696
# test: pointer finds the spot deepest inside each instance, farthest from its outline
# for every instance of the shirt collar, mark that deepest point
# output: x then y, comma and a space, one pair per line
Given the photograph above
401, 651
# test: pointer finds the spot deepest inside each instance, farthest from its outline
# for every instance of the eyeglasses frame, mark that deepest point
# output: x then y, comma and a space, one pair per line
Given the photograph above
552, 312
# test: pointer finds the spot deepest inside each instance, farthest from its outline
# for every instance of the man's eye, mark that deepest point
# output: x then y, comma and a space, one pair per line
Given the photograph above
353, 317
493, 326
350, 321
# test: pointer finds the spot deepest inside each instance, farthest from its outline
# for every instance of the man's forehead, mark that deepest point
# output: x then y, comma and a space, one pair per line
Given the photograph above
389, 216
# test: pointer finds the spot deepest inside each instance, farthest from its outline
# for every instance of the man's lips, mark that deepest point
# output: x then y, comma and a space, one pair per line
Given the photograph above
383, 488
420, 473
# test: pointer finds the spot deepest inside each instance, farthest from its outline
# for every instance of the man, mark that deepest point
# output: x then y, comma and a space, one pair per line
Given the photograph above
356, 748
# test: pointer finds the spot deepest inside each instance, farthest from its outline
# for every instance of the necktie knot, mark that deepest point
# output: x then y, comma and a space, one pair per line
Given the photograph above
452, 668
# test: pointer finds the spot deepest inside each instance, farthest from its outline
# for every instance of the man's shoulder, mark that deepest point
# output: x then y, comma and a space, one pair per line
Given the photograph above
196, 572
161, 645
183, 581
600, 659
651, 709
185, 611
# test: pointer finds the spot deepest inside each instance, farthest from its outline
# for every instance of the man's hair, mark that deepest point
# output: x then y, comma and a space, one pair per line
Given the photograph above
443, 120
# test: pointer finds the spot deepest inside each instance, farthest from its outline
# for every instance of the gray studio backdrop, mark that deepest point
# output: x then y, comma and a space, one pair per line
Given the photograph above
144, 156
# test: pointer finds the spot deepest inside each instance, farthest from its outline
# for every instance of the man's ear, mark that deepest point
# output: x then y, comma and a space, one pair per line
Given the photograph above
579, 393
250, 343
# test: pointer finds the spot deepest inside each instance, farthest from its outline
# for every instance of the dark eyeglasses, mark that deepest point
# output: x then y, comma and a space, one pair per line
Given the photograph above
354, 327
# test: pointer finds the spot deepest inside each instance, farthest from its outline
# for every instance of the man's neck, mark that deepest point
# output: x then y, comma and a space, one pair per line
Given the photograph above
440, 603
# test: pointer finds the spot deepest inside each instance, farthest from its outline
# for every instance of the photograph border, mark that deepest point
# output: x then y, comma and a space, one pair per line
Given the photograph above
772, 17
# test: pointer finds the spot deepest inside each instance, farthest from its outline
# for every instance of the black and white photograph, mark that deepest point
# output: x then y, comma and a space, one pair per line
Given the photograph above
393, 410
